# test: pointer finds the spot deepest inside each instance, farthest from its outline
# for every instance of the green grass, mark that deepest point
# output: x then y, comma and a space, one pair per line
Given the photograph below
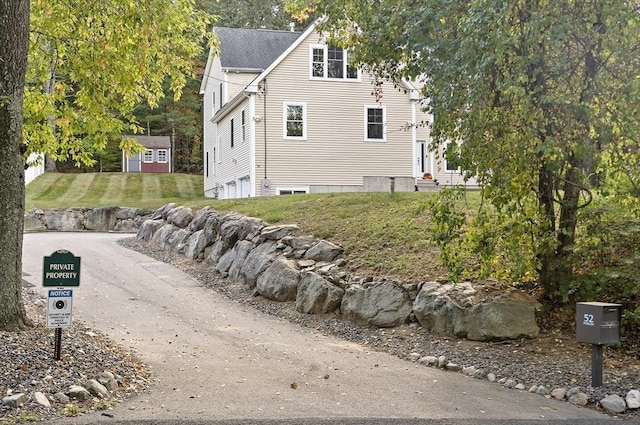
383, 234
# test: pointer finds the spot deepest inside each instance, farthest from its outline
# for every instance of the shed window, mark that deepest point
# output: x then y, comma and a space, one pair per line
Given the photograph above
162, 156
148, 156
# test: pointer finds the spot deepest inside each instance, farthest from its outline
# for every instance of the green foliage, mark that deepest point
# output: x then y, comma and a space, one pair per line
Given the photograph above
542, 96
92, 62
72, 410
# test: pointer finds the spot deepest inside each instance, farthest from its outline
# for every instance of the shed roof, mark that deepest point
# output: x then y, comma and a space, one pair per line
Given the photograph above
252, 49
159, 142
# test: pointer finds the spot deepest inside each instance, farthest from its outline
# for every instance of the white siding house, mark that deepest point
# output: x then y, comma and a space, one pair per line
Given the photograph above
284, 113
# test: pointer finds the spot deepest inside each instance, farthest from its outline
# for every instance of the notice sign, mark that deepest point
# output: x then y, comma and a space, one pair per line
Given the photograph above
59, 308
61, 269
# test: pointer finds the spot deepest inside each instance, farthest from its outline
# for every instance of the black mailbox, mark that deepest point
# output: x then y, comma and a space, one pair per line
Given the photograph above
598, 323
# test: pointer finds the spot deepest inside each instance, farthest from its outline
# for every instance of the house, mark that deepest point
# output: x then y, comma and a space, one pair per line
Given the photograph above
285, 113
156, 159
35, 167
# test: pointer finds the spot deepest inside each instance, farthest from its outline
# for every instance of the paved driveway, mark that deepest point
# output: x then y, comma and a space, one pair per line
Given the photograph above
215, 359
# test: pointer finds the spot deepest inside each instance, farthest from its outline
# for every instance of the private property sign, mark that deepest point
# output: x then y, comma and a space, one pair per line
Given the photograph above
61, 269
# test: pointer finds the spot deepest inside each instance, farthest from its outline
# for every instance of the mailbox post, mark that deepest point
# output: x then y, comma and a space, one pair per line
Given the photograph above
598, 323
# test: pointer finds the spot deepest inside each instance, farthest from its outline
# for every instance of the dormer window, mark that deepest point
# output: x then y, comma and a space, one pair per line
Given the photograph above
330, 62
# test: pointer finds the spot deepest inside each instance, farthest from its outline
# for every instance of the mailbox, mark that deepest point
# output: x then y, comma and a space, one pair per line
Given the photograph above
598, 323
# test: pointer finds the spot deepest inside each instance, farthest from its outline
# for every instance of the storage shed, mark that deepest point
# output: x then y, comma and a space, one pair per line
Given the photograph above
156, 159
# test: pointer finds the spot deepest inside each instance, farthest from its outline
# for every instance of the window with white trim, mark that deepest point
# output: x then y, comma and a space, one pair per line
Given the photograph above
330, 62
148, 156
292, 191
244, 127
294, 117
162, 156
232, 132
375, 123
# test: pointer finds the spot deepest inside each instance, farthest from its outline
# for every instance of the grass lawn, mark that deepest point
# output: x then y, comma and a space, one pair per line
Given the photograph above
383, 234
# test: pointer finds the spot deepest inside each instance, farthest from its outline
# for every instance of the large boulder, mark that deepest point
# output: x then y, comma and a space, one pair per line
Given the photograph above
149, 229
163, 234
509, 315
180, 217
213, 253
316, 295
279, 282
198, 241
323, 251
33, 220
242, 249
69, 220
257, 262
235, 227
200, 219
456, 311
101, 219
437, 310
383, 305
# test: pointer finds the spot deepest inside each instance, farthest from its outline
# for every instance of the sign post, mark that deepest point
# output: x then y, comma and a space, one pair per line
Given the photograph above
61, 269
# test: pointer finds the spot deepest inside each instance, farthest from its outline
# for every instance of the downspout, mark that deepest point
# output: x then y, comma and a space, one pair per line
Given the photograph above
264, 125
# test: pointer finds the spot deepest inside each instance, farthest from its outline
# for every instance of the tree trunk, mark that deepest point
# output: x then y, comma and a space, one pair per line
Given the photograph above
14, 40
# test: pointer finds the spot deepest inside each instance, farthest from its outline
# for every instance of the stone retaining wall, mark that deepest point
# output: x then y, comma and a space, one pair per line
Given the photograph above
283, 265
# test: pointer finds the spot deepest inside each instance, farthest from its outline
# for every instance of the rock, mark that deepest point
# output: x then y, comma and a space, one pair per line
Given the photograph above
579, 399
572, 391
443, 362
510, 383
382, 305
520, 387
40, 399
200, 219
533, 389
436, 311
234, 227
491, 377
275, 233
198, 241
180, 217
242, 250
61, 398
509, 315
279, 282
414, 357
453, 367
449, 310
177, 240
559, 393
633, 399
479, 374
96, 388
542, 390
323, 251
69, 220
257, 262
218, 249
613, 404
163, 212
108, 380
15, 400
316, 295
148, 229
469, 370
79, 393
33, 220
101, 219
428, 360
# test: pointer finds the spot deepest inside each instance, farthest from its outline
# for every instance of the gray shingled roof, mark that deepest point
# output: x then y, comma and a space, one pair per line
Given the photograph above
158, 142
252, 48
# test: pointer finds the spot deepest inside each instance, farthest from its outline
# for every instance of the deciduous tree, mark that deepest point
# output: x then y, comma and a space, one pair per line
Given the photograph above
14, 36
90, 63
542, 95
